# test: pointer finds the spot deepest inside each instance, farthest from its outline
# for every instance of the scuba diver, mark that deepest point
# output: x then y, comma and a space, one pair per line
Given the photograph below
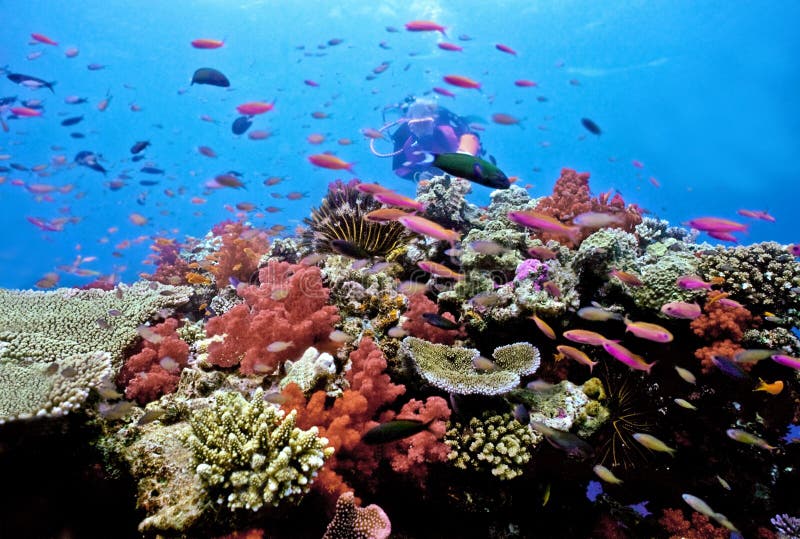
430, 136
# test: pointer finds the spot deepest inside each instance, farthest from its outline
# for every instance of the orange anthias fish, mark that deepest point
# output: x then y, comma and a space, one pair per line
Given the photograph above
773, 388
207, 43
462, 82
439, 270
326, 160
255, 107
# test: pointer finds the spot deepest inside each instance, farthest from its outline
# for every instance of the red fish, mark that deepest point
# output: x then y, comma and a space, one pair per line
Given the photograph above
450, 47
756, 214
207, 43
326, 160
505, 48
41, 38
255, 107
208, 152
425, 26
461, 82
523, 83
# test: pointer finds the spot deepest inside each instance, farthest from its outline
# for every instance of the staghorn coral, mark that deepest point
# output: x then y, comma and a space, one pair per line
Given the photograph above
290, 305
250, 455
763, 276
37, 388
493, 443
451, 368
156, 369
354, 522
341, 217
68, 321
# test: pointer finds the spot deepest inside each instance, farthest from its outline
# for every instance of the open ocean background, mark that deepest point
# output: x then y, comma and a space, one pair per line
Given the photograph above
703, 94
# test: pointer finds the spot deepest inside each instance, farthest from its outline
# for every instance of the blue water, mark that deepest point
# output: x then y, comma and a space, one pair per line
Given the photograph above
704, 95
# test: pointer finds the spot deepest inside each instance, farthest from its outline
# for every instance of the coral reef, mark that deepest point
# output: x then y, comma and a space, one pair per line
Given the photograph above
288, 306
250, 455
452, 368
354, 522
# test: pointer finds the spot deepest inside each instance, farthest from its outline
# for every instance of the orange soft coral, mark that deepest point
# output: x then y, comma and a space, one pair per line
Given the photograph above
241, 250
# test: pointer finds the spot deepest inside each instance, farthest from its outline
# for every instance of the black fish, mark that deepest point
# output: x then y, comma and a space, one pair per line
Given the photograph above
77, 135
148, 182
19, 78
139, 146
137, 158
17, 166
348, 248
72, 121
207, 75
392, 431
7, 100
89, 159
241, 125
591, 126
439, 321
151, 170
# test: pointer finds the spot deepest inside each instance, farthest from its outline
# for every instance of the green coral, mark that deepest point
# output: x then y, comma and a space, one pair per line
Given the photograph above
451, 367
250, 454
659, 271
495, 443
37, 388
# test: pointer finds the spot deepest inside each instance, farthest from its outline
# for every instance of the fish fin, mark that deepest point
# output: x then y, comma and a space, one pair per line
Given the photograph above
50, 85
650, 366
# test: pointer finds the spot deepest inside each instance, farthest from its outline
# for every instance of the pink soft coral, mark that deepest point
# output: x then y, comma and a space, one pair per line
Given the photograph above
571, 197
242, 248
415, 324
149, 374
290, 306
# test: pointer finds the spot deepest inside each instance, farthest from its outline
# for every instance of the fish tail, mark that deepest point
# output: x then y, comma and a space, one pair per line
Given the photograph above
650, 366
50, 85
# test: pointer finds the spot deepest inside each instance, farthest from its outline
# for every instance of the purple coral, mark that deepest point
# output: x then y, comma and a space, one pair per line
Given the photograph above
531, 267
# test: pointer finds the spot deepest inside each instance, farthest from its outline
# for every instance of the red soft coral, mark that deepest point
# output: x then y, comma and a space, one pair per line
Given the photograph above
409, 455
238, 256
415, 324
171, 268
144, 374
700, 527
571, 197
350, 416
726, 348
289, 305
725, 325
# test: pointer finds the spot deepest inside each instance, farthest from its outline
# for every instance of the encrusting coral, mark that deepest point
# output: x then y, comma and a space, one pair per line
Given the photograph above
250, 454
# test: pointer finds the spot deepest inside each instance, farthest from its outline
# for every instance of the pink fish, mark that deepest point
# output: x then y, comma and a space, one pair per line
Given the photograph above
534, 219
372, 188
584, 336
425, 26
648, 331
634, 361
443, 91
440, 270
524, 83
724, 236
312, 83
505, 48
255, 107
426, 227
25, 112
692, 282
716, 224
41, 38
390, 198
786, 361
756, 214
450, 47
638, 164
681, 309
462, 82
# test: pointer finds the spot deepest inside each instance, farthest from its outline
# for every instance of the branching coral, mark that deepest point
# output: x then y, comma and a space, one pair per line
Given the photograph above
250, 455
289, 306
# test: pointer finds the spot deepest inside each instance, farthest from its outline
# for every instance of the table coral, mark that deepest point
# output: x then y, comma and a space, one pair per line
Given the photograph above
289, 305
354, 522
451, 368
251, 454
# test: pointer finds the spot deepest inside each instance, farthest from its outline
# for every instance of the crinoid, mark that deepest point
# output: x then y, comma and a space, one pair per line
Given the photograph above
630, 414
340, 218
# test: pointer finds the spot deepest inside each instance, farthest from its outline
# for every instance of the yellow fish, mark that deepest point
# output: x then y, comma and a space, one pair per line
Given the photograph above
772, 388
